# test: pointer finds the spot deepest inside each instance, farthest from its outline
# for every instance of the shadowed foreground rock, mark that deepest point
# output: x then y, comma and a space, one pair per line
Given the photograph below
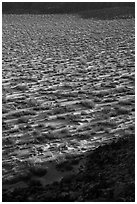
108, 175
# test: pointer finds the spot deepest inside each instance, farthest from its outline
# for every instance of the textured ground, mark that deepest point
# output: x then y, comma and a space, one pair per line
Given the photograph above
68, 87
106, 177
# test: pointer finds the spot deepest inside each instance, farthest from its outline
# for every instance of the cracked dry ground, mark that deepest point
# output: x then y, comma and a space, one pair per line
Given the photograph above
67, 88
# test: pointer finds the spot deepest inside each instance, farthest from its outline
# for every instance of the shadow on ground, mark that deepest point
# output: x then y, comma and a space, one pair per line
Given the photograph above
108, 176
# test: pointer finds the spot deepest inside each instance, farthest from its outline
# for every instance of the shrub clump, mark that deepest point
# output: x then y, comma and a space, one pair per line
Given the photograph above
122, 111
21, 87
88, 103
23, 120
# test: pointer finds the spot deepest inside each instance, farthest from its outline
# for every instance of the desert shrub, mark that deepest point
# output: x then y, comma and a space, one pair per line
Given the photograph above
44, 134
106, 109
126, 102
131, 127
112, 114
18, 114
34, 79
40, 138
7, 141
70, 117
65, 132
51, 127
33, 102
49, 135
4, 100
62, 117
88, 103
14, 131
57, 111
35, 133
122, 111
102, 93
97, 99
84, 135
120, 89
29, 112
37, 108
41, 125
4, 110
23, 120
126, 76
108, 124
4, 125
83, 60
108, 100
83, 113
28, 126
21, 87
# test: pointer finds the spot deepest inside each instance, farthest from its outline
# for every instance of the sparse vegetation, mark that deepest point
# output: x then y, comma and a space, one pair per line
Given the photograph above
122, 111
23, 120
126, 102
63, 95
88, 104
21, 87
